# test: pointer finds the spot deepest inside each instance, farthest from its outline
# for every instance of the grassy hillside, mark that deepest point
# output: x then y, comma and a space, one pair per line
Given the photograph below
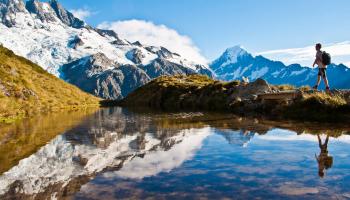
26, 88
177, 92
197, 92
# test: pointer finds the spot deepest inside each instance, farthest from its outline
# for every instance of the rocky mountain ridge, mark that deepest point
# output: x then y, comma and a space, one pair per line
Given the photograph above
52, 37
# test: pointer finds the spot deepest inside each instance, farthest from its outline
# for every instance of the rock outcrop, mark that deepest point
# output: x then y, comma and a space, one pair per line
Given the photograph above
65, 16
135, 55
76, 42
9, 9
109, 33
42, 10
196, 92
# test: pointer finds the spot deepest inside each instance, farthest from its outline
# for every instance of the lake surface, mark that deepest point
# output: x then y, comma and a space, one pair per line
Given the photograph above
114, 153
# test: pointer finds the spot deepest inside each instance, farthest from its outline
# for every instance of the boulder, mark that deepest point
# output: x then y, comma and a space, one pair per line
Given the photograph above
250, 91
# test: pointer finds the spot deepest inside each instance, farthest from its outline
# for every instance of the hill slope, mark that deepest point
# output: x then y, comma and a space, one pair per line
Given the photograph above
25, 87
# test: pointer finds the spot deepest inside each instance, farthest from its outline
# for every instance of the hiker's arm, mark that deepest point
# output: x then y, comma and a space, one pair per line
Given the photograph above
313, 65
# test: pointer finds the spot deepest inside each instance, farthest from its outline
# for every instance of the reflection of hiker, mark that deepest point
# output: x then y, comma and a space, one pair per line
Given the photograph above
324, 160
322, 60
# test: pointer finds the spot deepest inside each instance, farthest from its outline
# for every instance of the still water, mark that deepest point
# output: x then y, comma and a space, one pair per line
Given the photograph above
115, 153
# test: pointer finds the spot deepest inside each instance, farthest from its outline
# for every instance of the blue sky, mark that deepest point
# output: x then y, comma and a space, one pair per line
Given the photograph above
214, 25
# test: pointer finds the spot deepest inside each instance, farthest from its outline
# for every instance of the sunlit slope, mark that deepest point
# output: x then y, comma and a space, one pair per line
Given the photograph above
25, 87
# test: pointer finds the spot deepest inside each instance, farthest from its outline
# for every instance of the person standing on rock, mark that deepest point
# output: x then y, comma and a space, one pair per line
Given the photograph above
322, 66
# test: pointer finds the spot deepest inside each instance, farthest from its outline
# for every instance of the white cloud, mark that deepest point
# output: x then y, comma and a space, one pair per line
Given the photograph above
81, 13
158, 161
149, 33
340, 53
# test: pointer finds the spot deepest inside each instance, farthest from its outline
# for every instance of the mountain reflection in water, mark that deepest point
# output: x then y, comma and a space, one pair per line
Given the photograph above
115, 153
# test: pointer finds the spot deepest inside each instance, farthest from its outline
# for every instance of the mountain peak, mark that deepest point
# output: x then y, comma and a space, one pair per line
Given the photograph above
230, 56
46, 11
41, 9
235, 52
65, 16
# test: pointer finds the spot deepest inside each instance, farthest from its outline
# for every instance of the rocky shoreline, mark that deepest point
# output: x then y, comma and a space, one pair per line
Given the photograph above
197, 92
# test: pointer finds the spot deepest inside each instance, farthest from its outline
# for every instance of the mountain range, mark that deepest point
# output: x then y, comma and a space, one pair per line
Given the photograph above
105, 65
95, 60
236, 63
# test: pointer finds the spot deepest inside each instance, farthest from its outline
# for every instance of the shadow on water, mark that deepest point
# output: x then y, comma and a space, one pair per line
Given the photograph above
116, 153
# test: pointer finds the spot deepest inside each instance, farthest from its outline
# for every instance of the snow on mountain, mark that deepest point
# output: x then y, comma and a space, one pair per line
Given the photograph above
51, 36
236, 63
231, 55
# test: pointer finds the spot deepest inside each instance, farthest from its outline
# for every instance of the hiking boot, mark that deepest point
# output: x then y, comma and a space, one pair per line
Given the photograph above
328, 90
315, 87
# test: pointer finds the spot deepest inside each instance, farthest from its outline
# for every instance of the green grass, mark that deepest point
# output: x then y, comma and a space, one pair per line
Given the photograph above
319, 106
285, 87
25, 88
198, 92
324, 99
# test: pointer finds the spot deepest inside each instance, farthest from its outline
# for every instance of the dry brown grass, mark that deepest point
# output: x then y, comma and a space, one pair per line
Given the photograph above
26, 88
325, 99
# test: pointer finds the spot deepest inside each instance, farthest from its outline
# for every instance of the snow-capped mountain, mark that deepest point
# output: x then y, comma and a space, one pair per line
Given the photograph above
51, 36
99, 75
236, 63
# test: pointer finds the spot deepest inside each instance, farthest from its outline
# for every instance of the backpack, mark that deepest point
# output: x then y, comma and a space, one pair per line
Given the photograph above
326, 58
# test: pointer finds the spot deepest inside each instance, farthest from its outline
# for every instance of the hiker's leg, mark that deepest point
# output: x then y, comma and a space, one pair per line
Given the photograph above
325, 79
319, 140
318, 80
327, 138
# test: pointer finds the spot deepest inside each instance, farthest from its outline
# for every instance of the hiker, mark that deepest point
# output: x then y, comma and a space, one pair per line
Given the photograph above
322, 60
323, 159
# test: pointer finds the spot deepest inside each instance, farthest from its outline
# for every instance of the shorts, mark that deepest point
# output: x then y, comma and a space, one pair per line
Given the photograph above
322, 72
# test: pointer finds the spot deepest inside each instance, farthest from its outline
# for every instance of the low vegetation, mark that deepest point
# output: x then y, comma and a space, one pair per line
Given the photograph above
181, 92
198, 92
320, 106
25, 88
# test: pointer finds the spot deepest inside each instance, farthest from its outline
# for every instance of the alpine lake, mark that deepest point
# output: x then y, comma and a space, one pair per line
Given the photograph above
118, 153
